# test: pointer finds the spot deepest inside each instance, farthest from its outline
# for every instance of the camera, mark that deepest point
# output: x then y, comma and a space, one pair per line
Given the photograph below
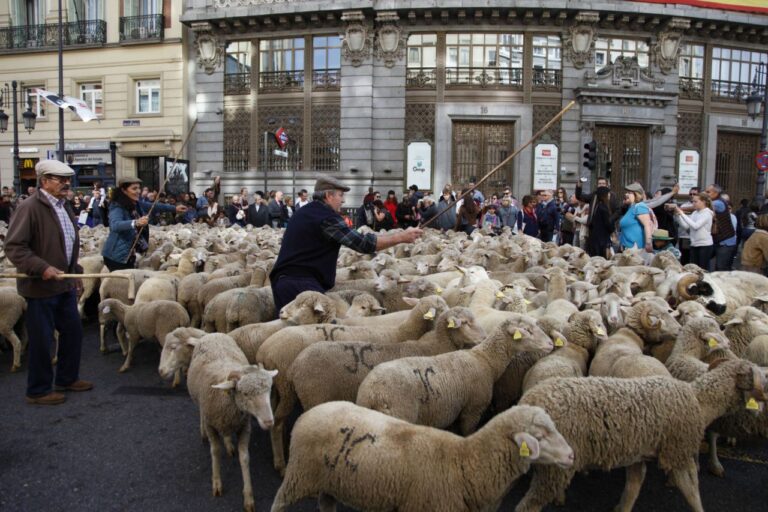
670, 207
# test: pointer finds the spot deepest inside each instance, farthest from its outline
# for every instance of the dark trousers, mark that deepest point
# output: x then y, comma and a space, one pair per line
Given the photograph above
724, 255
43, 316
546, 234
701, 255
113, 265
286, 288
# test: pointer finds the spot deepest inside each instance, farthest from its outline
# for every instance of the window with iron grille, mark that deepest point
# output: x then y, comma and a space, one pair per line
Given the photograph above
733, 72
237, 70
326, 62
91, 94
281, 63
691, 71
482, 59
547, 62
326, 137
608, 50
421, 60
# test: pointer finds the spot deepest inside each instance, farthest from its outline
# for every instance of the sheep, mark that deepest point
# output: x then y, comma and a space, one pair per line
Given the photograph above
745, 324
571, 360
177, 353
739, 288
757, 351
700, 287
189, 287
438, 390
696, 342
118, 289
386, 288
215, 286
145, 320
240, 306
653, 322
360, 270
227, 391
387, 464
157, 288
621, 356
91, 265
280, 350
325, 372
13, 307
364, 305
667, 419
611, 309
689, 310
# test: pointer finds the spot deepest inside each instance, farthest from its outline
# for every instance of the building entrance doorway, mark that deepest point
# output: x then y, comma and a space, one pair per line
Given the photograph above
622, 155
478, 147
735, 169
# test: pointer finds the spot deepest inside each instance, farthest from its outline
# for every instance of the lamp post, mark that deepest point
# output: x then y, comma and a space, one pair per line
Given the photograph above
756, 104
29, 124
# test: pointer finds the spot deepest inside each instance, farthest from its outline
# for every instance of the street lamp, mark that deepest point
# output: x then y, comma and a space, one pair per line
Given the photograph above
756, 104
29, 124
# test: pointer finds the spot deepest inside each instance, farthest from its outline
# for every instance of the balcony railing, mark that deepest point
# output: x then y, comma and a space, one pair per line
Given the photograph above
420, 78
484, 77
281, 81
691, 88
326, 79
84, 32
141, 28
547, 80
734, 92
237, 83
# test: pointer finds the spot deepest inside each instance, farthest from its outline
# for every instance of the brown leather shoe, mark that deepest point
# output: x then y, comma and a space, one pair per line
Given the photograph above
78, 385
52, 398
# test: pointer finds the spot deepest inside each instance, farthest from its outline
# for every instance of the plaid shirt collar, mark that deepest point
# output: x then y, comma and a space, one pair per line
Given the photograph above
54, 202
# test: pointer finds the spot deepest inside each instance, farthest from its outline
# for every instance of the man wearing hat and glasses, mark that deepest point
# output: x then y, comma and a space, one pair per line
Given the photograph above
311, 243
43, 242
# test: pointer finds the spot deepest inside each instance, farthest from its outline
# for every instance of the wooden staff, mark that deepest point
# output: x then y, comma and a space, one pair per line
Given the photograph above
162, 187
502, 164
130, 277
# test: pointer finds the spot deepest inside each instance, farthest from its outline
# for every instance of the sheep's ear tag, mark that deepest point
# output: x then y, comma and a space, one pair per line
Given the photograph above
439, 290
527, 302
600, 332
517, 335
752, 405
429, 315
524, 450
499, 295
451, 323
106, 309
712, 343
559, 342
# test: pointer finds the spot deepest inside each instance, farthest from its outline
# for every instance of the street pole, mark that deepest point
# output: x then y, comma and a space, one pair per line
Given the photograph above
266, 157
16, 180
61, 86
762, 69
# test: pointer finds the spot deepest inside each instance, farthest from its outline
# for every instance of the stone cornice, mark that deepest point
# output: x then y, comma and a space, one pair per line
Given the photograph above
609, 96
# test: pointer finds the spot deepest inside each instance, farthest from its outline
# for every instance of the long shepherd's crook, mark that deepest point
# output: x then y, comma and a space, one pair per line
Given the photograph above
162, 187
130, 277
502, 164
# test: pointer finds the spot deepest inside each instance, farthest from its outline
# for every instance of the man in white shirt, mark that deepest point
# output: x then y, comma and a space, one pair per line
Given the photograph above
303, 199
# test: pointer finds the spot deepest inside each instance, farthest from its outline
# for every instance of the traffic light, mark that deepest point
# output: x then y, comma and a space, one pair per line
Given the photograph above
608, 170
590, 155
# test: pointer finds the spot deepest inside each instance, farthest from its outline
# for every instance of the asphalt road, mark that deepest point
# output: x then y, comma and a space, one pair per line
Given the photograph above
132, 444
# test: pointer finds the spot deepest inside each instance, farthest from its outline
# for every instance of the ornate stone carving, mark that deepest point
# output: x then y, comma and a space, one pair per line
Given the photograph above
239, 3
210, 49
666, 50
579, 39
624, 72
658, 129
390, 39
358, 37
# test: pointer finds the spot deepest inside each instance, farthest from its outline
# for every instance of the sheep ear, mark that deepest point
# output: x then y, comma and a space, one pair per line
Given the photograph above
461, 269
410, 301
272, 373
734, 321
226, 385
595, 302
528, 445
379, 309
762, 298
193, 342
402, 280
319, 308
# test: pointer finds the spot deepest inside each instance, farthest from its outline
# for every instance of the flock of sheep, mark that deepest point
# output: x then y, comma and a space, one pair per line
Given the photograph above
436, 374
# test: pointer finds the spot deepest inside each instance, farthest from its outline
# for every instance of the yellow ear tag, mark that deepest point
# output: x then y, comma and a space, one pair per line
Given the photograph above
517, 336
439, 290
499, 295
527, 302
559, 342
524, 450
712, 343
600, 332
451, 323
752, 405
429, 315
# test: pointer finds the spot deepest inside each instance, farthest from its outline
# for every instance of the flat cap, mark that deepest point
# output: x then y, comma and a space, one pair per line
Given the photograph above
128, 180
330, 183
53, 167
635, 187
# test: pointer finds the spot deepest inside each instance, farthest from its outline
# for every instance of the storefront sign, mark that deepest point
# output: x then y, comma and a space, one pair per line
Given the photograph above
131, 122
419, 166
688, 170
545, 167
88, 145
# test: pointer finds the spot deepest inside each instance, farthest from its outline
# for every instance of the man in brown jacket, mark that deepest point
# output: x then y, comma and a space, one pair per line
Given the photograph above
42, 242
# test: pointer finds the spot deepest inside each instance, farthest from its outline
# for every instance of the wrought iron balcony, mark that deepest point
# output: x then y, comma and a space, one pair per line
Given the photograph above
547, 80
326, 79
86, 32
141, 28
691, 88
733, 92
237, 83
281, 81
499, 78
420, 78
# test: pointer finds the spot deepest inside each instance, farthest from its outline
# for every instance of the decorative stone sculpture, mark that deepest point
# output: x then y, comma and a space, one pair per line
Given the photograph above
210, 50
666, 51
579, 39
390, 40
358, 37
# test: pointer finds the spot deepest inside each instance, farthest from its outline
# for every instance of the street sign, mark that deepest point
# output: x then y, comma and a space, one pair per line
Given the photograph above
761, 161
281, 137
278, 152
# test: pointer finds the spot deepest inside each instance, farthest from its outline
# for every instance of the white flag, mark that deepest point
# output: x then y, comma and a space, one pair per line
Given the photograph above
77, 106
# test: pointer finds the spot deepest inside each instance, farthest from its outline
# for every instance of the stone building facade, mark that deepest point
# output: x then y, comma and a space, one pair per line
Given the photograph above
390, 93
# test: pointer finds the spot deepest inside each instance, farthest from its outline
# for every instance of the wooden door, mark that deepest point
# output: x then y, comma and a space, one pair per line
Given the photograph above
622, 155
478, 147
735, 169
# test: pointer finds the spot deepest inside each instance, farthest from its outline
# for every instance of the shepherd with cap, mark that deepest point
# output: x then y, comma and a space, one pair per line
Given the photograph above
43, 242
127, 214
311, 243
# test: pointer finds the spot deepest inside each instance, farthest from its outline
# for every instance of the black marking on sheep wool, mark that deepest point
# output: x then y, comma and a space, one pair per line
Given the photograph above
347, 445
428, 389
329, 332
359, 357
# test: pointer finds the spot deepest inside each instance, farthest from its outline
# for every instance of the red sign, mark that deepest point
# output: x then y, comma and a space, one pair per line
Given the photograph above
689, 158
546, 152
281, 137
761, 161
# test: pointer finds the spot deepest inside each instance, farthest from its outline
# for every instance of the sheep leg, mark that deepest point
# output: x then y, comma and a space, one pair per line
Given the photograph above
203, 431
714, 462
634, 481
548, 484
129, 355
120, 332
284, 408
102, 341
213, 438
228, 445
687, 480
326, 503
243, 438
16, 344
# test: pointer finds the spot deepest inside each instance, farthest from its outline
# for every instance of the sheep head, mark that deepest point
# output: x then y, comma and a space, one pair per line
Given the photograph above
461, 327
703, 289
251, 385
309, 308
536, 436
364, 305
749, 379
525, 334
177, 351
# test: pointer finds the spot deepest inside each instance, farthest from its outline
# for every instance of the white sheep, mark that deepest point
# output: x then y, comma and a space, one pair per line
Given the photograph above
228, 390
231, 309
13, 307
745, 325
177, 353
91, 265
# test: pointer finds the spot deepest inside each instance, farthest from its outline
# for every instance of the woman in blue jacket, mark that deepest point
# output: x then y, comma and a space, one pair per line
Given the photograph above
127, 213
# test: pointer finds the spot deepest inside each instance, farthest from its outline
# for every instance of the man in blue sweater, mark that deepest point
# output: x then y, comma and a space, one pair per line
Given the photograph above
311, 243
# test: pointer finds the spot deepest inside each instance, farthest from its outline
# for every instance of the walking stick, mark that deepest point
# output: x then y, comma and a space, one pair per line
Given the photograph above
162, 187
130, 277
502, 164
